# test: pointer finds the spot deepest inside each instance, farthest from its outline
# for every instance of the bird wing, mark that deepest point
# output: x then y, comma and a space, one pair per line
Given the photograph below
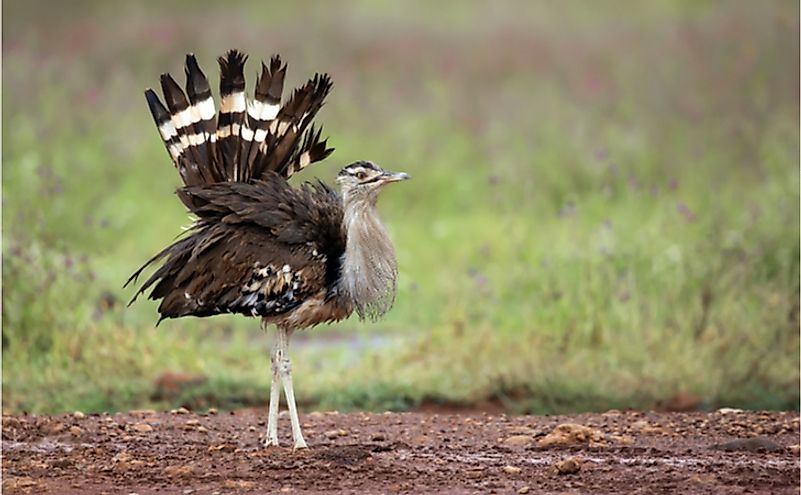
257, 249
250, 138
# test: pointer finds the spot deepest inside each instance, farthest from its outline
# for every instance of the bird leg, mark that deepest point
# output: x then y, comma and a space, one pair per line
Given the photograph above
283, 364
272, 414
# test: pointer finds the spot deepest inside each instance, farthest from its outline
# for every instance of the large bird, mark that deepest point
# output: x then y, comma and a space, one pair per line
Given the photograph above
293, 256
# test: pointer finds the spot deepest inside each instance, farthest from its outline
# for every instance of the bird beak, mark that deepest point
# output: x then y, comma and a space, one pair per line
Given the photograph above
388, 177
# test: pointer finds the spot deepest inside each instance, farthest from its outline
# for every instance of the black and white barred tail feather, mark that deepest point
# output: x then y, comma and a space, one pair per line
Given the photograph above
249, 139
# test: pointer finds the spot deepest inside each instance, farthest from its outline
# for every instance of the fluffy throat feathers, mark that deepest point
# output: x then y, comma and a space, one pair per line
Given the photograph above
369, 267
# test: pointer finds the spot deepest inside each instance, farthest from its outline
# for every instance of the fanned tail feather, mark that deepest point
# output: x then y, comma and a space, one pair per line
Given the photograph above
232, 110
248, 139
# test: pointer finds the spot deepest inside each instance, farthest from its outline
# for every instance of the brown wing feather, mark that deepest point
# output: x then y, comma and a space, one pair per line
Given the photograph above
257, 249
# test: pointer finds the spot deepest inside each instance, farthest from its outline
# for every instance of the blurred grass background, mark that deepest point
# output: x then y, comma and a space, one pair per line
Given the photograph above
604, 211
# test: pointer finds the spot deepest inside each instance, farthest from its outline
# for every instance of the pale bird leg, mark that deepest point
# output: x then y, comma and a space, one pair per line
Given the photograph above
272, 414
285, 371
271, 440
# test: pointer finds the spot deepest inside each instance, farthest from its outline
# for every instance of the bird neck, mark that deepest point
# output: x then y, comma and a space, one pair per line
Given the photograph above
369, 268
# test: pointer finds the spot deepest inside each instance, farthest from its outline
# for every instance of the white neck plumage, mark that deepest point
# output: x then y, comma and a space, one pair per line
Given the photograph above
369, 268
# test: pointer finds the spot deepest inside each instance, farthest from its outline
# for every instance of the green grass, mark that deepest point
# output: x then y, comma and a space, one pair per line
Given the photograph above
604, 210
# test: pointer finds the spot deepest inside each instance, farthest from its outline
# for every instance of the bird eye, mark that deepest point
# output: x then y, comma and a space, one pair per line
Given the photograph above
361, 175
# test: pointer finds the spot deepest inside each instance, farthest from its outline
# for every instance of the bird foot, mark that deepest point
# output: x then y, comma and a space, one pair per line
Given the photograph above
300, 444
270, 442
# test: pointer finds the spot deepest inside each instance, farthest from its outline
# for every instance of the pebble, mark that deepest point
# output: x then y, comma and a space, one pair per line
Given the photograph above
335, 433
511, 470
571, 434
78, 415
75, 431
180, 410
523, 490
142, 427
571, 465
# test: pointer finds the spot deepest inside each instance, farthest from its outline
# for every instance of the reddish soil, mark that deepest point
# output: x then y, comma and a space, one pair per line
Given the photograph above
629, 452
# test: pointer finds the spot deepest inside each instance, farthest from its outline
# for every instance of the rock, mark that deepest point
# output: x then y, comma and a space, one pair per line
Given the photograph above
378, 437
75, 431
335, 433
571, 434
212, 411
78, 415
22, 483
192, 422
511, 470
795, 449
202, 429
180, 410
728, 410
756, 444
519, 440
571, 465
523, 490
54, 428
141, 428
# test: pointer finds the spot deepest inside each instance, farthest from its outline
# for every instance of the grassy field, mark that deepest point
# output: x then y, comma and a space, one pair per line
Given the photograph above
604, 211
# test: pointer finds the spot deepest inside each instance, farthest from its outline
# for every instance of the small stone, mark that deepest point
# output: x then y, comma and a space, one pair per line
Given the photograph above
572, 434
251, 428
180, 410
330, 434
202, 429
378, 437
78, 415
519, 440
142, 427
728, 410
523, 490
511, 470
55, 428
315, 415
795, 449
75, 431
192, 422
212, 411
571, 465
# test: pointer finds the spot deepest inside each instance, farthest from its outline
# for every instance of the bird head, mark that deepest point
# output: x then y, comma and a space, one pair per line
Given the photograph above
363, 180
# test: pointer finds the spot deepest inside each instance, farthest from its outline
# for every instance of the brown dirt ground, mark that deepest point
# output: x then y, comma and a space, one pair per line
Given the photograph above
616, 452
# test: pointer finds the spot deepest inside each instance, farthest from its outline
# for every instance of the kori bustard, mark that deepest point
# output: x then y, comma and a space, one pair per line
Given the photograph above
293, 256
